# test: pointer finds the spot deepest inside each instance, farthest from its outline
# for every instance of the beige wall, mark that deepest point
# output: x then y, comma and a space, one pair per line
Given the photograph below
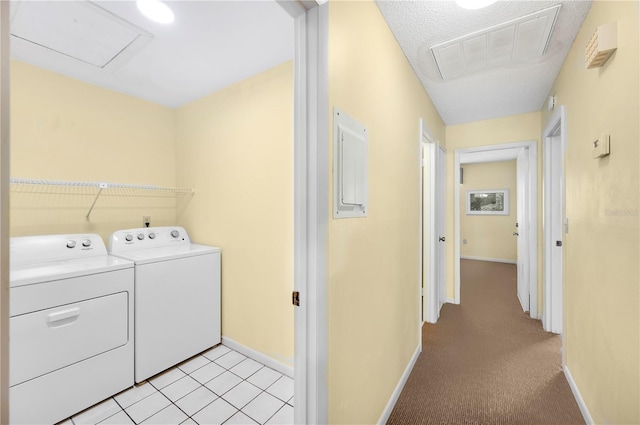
236, 148
64, 129
601, 275
373, 262
489, 236
517, 128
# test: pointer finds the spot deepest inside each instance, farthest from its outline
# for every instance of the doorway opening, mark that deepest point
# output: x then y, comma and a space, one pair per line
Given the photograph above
310, 384
525, 155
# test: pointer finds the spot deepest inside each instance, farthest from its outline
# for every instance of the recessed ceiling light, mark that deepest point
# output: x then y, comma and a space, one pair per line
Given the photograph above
156, 10
474, 4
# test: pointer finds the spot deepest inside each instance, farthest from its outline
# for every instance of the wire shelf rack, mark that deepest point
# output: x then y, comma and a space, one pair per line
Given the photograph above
98, 188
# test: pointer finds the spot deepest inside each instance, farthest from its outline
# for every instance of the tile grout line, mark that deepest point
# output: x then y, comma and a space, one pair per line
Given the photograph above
270, 417
208, 361
213, 392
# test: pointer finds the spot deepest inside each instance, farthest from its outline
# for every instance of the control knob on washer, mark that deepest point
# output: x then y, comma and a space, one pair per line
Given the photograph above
71, 244
128, 238
86, 243
152, 235
175, 233
140, 236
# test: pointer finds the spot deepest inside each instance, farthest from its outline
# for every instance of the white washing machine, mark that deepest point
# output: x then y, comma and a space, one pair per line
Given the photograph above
70, 327
177, 303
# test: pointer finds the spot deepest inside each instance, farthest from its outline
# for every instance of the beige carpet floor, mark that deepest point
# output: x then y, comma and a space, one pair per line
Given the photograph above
486, 361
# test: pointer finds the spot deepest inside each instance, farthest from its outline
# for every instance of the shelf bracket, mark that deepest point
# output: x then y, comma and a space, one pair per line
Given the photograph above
101, 187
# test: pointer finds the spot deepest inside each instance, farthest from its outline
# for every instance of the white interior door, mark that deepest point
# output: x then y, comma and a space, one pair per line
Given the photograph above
554, 217
441, 170
522, 228
429, 237
433, 272
425, 203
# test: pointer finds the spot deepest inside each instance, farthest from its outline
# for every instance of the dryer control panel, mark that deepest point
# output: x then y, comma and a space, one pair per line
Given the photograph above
147, 238
47, 248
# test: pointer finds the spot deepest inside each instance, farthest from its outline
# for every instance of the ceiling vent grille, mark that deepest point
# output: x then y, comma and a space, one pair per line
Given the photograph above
80, 30
513, 41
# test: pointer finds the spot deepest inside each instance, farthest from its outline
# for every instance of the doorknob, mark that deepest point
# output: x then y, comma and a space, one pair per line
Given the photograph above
515, 233
441, 238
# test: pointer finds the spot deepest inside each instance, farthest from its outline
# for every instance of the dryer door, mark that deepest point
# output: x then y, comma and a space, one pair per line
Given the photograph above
47, 340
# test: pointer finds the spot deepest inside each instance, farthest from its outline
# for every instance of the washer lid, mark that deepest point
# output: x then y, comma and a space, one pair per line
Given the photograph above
167, 253
29, 274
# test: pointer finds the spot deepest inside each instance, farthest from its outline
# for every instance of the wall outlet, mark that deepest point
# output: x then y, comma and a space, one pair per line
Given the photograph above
146, 220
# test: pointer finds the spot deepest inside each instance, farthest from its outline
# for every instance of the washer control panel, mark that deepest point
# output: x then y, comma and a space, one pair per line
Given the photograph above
147, 237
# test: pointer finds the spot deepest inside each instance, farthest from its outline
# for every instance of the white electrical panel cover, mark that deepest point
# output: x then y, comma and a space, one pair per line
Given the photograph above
350, 167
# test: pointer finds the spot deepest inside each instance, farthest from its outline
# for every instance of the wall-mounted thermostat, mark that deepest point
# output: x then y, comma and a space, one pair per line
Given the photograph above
601, 146
350, 167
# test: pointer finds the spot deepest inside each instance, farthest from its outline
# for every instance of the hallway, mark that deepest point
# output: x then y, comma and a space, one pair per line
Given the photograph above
486, 361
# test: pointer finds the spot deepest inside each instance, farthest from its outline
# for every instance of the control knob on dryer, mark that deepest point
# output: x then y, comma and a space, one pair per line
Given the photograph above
175, 233
140, 236
86, 243
128, 238
71, 244
152, 235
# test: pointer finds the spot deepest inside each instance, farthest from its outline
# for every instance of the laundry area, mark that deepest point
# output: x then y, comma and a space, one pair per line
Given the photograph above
151, 213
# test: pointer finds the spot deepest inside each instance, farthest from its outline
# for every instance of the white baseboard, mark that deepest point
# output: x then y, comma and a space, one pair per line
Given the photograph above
396, 393
258, 356
576, 393
495, 260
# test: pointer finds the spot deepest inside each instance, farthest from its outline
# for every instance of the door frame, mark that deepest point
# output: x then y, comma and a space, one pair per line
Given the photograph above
491, 153
311, 206
553, 309
4, 211
428, 226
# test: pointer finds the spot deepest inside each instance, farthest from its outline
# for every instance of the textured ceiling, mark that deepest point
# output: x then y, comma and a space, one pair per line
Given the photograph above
496, 92
211, 45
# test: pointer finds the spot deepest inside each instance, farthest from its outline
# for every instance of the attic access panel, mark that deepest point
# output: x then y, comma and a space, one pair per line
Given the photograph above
513, 41
77, 29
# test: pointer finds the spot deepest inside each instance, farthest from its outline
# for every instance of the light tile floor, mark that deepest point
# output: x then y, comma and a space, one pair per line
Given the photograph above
219, 386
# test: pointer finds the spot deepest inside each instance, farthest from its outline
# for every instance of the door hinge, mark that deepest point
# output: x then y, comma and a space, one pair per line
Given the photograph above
558, 243
295, 298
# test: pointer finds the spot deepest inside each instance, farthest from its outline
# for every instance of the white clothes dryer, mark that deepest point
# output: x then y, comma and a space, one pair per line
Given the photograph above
177, 303
70, 326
